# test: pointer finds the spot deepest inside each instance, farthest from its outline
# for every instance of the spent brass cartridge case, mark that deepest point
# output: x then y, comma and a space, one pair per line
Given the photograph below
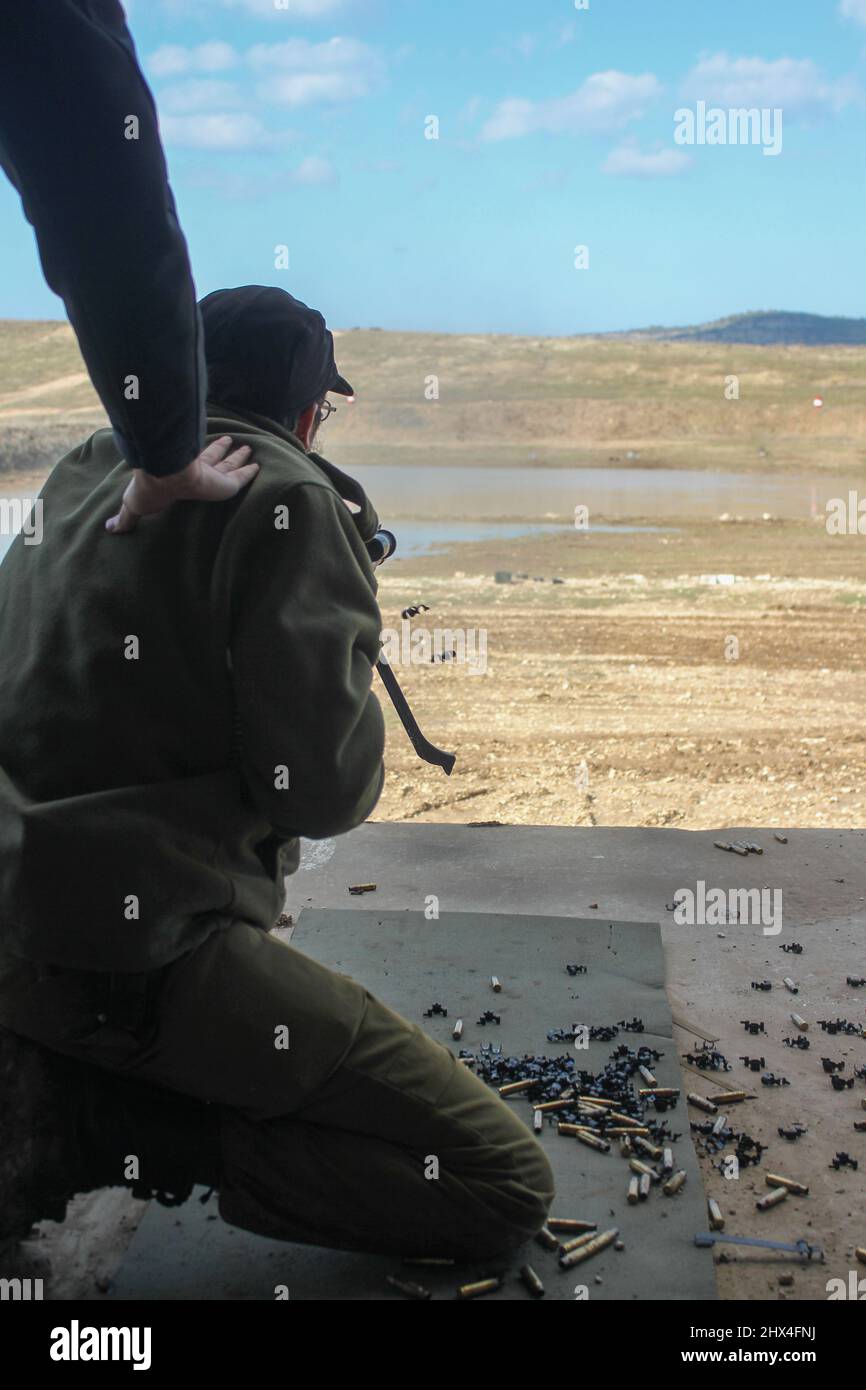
668, 1161
633, 1189
547, 1105
645, 1147
772, 1199
576, 1257
531, 1281
720, 1124
514, 1086
673, 1185
625, 1147
597, 1100
494, 984
571, 1224
457, 1030
860, 1252
730, 1098
565, 1127
538, 1121
592, 1141
717, 1221
622, 1119
659, 1091
647, 1075
407, 1288
619, 1130
577, 1242
644, 1183
701, 1102
433, 1260
800, 1189
643, 1169
789, 985
800, 1023
547, 1239
479, 1288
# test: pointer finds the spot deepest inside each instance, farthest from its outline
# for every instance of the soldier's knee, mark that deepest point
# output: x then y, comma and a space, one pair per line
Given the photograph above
536, 1188
505, 1203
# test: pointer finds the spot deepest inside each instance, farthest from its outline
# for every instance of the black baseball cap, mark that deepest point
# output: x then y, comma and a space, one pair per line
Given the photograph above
268, 351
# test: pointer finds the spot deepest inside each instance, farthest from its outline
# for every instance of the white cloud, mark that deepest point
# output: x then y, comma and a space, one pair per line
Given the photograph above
381, 166
199, 94
314, 170
293, 9
248, 186
523, 46
306, 88
217, 131
526, 45
172, 59
605, 101
628, 161
298, 73
470, 110
853, 9
795, 84
265, 9
206, 112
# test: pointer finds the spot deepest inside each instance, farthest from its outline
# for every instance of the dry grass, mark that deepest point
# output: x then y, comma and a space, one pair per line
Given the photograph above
527, 401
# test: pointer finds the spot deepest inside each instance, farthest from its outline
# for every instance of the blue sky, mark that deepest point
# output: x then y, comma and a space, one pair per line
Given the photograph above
304, 126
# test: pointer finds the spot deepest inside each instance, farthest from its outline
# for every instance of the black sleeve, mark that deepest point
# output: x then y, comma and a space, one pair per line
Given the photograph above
79, 139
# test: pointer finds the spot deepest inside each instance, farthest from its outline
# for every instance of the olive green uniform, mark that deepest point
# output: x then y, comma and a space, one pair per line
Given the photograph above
177, 707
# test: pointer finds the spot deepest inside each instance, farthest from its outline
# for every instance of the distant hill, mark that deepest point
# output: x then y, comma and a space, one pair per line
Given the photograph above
767, 328
605, 401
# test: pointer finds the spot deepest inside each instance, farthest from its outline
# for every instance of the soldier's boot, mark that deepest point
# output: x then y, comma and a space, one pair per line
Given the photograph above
67, 1127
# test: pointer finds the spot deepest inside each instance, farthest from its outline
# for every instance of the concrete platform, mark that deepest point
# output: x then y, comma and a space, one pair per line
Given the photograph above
410, 962
632, 874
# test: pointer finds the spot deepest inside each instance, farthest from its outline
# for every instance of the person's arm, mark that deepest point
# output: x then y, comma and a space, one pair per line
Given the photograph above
305, 638
72, 97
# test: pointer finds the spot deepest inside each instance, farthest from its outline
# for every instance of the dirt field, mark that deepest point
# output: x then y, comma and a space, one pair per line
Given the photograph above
610, 699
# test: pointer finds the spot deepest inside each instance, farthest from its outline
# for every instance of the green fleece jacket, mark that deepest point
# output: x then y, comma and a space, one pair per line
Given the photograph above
179, 704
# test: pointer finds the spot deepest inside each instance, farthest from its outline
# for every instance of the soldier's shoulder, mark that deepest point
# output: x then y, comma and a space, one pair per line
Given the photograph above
282, 462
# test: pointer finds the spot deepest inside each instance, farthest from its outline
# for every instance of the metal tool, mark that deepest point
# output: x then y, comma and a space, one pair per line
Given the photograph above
800, 1247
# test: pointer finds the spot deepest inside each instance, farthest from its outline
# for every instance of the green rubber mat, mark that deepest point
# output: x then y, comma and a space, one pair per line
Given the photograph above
410, 963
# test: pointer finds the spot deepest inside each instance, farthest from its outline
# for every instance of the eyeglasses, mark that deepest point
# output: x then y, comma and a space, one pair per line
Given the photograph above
326, 409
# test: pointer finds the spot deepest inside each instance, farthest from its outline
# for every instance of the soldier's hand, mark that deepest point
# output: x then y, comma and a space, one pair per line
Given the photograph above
215, 476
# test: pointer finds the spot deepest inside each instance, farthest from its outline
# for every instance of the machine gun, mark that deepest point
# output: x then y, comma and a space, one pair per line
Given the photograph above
379, 548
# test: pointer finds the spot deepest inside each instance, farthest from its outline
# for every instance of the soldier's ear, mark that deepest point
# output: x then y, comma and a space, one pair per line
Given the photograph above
305, 429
